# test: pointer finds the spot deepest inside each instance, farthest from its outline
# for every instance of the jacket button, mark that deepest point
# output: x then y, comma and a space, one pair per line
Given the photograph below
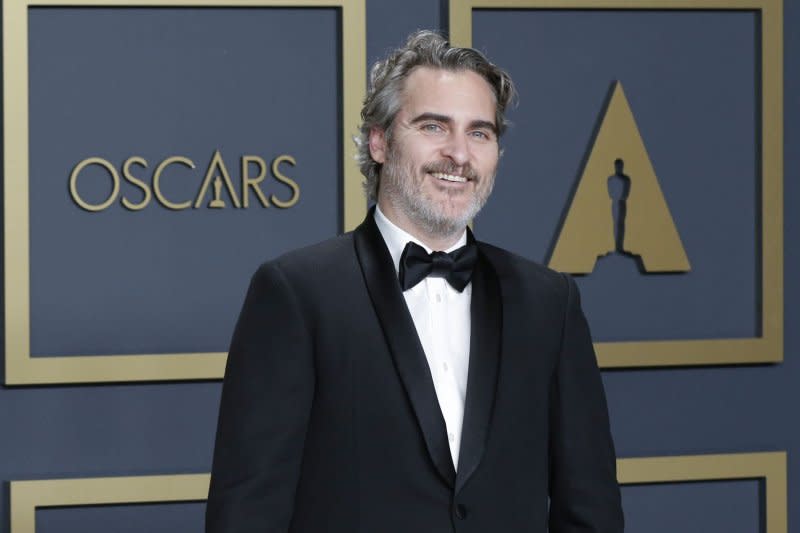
461, 512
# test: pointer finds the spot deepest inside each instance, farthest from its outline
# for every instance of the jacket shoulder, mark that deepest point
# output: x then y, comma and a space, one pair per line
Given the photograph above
325, 270
514, 268
315, 257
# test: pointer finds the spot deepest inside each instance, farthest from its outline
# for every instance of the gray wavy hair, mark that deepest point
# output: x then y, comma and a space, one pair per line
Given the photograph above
387, 80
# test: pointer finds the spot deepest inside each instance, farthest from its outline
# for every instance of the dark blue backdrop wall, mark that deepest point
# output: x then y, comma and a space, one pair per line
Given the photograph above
94, 290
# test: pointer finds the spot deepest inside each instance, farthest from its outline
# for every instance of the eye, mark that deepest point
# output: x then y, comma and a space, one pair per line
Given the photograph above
431, 127
481, 134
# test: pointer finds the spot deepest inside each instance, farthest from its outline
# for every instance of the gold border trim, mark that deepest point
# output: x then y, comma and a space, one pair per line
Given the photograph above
664, 353
20, 367
27, 496
769, 466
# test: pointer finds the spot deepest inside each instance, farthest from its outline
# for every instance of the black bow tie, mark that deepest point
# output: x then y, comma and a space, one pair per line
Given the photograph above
456, 267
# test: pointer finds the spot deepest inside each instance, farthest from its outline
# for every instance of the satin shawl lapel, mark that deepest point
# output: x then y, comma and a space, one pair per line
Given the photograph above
484, 358
404, 345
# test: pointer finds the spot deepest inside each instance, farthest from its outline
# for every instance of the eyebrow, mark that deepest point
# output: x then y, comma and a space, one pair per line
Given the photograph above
448, 120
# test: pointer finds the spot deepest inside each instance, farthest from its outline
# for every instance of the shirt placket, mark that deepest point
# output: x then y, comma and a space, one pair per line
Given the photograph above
441, 327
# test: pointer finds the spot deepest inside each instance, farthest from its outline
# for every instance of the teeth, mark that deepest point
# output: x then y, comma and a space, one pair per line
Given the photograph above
449, 177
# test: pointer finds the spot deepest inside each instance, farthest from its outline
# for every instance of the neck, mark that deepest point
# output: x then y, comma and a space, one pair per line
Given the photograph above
433, 240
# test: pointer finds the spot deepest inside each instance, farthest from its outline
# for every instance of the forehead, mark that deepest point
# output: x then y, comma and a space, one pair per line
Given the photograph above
453, 93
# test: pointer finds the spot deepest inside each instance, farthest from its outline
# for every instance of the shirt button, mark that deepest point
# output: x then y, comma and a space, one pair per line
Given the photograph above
450, 437
438, 298
446, 368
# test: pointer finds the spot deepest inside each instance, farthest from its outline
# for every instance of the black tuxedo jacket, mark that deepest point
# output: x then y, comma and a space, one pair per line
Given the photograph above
329, 421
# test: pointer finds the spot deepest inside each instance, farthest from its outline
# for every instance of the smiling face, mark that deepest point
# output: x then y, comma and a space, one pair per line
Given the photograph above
439, 163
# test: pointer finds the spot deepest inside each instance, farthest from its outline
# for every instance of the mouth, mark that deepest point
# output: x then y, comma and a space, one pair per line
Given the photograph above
441, 176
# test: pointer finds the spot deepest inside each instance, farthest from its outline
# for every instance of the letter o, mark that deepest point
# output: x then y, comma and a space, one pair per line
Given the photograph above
73, 180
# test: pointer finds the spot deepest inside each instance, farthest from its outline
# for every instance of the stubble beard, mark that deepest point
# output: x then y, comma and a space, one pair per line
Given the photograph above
401, 182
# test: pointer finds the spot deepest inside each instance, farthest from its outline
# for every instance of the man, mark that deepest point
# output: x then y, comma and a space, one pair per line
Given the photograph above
372, 387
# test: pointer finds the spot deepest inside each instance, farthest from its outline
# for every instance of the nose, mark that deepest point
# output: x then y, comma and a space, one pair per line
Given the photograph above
456, 148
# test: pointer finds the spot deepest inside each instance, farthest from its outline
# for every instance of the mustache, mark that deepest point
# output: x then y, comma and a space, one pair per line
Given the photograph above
448, 167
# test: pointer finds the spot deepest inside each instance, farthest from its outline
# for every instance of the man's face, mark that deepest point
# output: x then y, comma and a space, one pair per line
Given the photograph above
439, 164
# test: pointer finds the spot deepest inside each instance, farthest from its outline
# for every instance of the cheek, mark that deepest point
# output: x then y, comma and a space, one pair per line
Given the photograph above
422, 156
488, 165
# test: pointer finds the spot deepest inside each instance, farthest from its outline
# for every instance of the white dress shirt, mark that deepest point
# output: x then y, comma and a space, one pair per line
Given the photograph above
441, 316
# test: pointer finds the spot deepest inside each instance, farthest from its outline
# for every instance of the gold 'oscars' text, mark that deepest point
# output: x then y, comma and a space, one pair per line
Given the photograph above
216, 190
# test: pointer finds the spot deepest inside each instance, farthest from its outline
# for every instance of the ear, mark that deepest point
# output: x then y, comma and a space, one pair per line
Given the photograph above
377, 144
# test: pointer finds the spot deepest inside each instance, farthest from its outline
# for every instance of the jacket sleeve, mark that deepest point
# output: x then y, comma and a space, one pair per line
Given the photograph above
264, 412
584, 494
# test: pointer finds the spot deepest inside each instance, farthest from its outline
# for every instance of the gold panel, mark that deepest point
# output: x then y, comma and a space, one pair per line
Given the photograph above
21, 368
769, 466
768, 348
27, 496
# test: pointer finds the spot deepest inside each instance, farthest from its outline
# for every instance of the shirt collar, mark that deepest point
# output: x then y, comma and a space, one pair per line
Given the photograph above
396, 239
